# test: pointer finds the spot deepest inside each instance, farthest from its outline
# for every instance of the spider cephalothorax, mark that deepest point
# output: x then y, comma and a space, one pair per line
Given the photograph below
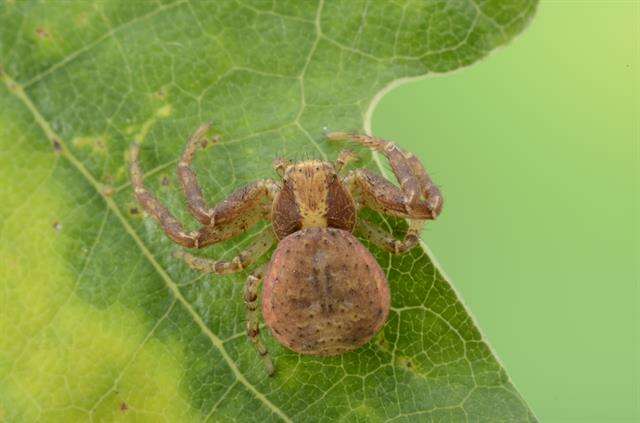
324, 293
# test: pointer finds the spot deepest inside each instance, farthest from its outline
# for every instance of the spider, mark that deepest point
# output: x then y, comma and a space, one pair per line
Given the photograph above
324, 293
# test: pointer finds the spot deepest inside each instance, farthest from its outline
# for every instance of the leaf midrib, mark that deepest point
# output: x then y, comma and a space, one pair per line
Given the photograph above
17, 90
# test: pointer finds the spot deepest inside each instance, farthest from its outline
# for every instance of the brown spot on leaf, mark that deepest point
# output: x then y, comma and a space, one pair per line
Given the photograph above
124, 407
57, 147
108, 191
42, 33
81, 20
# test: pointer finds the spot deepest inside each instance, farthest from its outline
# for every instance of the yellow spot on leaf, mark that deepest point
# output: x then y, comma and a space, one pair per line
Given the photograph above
98, 145
81, 20
61, 358
164, 111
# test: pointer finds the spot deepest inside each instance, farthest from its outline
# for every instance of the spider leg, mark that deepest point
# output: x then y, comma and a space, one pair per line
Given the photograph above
387, 241
418, 197
253, 327
280, 164
195, 202
171, 226
344, 158
242, 209
238, 212
258, 248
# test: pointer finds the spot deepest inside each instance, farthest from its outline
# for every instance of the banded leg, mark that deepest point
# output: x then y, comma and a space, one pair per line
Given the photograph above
280, 164
195, 202
253, 321
345, 157
171, 226
258, 247
418, 195
238, 212
387, 241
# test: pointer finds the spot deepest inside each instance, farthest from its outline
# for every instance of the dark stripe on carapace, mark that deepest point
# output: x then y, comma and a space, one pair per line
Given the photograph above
286, 214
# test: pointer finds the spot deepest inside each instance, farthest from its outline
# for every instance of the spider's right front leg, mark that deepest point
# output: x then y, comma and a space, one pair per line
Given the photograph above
171, 226
195, 202
233, 216
239, 212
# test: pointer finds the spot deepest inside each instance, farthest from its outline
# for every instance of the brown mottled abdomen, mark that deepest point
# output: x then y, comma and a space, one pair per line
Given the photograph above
324, 293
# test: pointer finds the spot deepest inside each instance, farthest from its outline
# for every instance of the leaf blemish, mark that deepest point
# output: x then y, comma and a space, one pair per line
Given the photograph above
108, 191
160, 94
164, 111
57, 147
81, 21
97, 144
42, 33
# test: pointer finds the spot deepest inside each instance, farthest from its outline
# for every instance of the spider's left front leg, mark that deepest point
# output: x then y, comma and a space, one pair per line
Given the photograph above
418, 199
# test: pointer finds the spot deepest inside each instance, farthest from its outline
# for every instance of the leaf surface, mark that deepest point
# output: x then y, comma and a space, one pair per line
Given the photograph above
98, 321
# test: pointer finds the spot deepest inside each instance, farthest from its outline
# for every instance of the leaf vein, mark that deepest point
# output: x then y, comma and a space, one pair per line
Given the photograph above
87, 47
19, 92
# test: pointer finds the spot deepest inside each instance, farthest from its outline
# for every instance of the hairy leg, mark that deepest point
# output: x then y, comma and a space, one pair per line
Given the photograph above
345, 157
259, 246
234, 215
387, 241
238, 212
280, 164
171, 226
417, 197
195, 202
253, 322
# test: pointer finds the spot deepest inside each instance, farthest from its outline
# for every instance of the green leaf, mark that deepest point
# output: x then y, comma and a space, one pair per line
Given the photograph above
98, 321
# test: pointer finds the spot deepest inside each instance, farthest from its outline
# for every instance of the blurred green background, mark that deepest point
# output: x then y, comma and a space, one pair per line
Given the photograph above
537, 152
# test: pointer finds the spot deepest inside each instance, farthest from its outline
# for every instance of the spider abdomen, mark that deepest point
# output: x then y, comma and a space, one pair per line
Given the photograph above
324, 293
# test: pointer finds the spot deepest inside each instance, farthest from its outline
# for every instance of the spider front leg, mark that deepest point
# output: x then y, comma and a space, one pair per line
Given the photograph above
257, 249
253, 321
417, 198
238, 212
195, 202
344, 158
171, 226
280, 164
233, 216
